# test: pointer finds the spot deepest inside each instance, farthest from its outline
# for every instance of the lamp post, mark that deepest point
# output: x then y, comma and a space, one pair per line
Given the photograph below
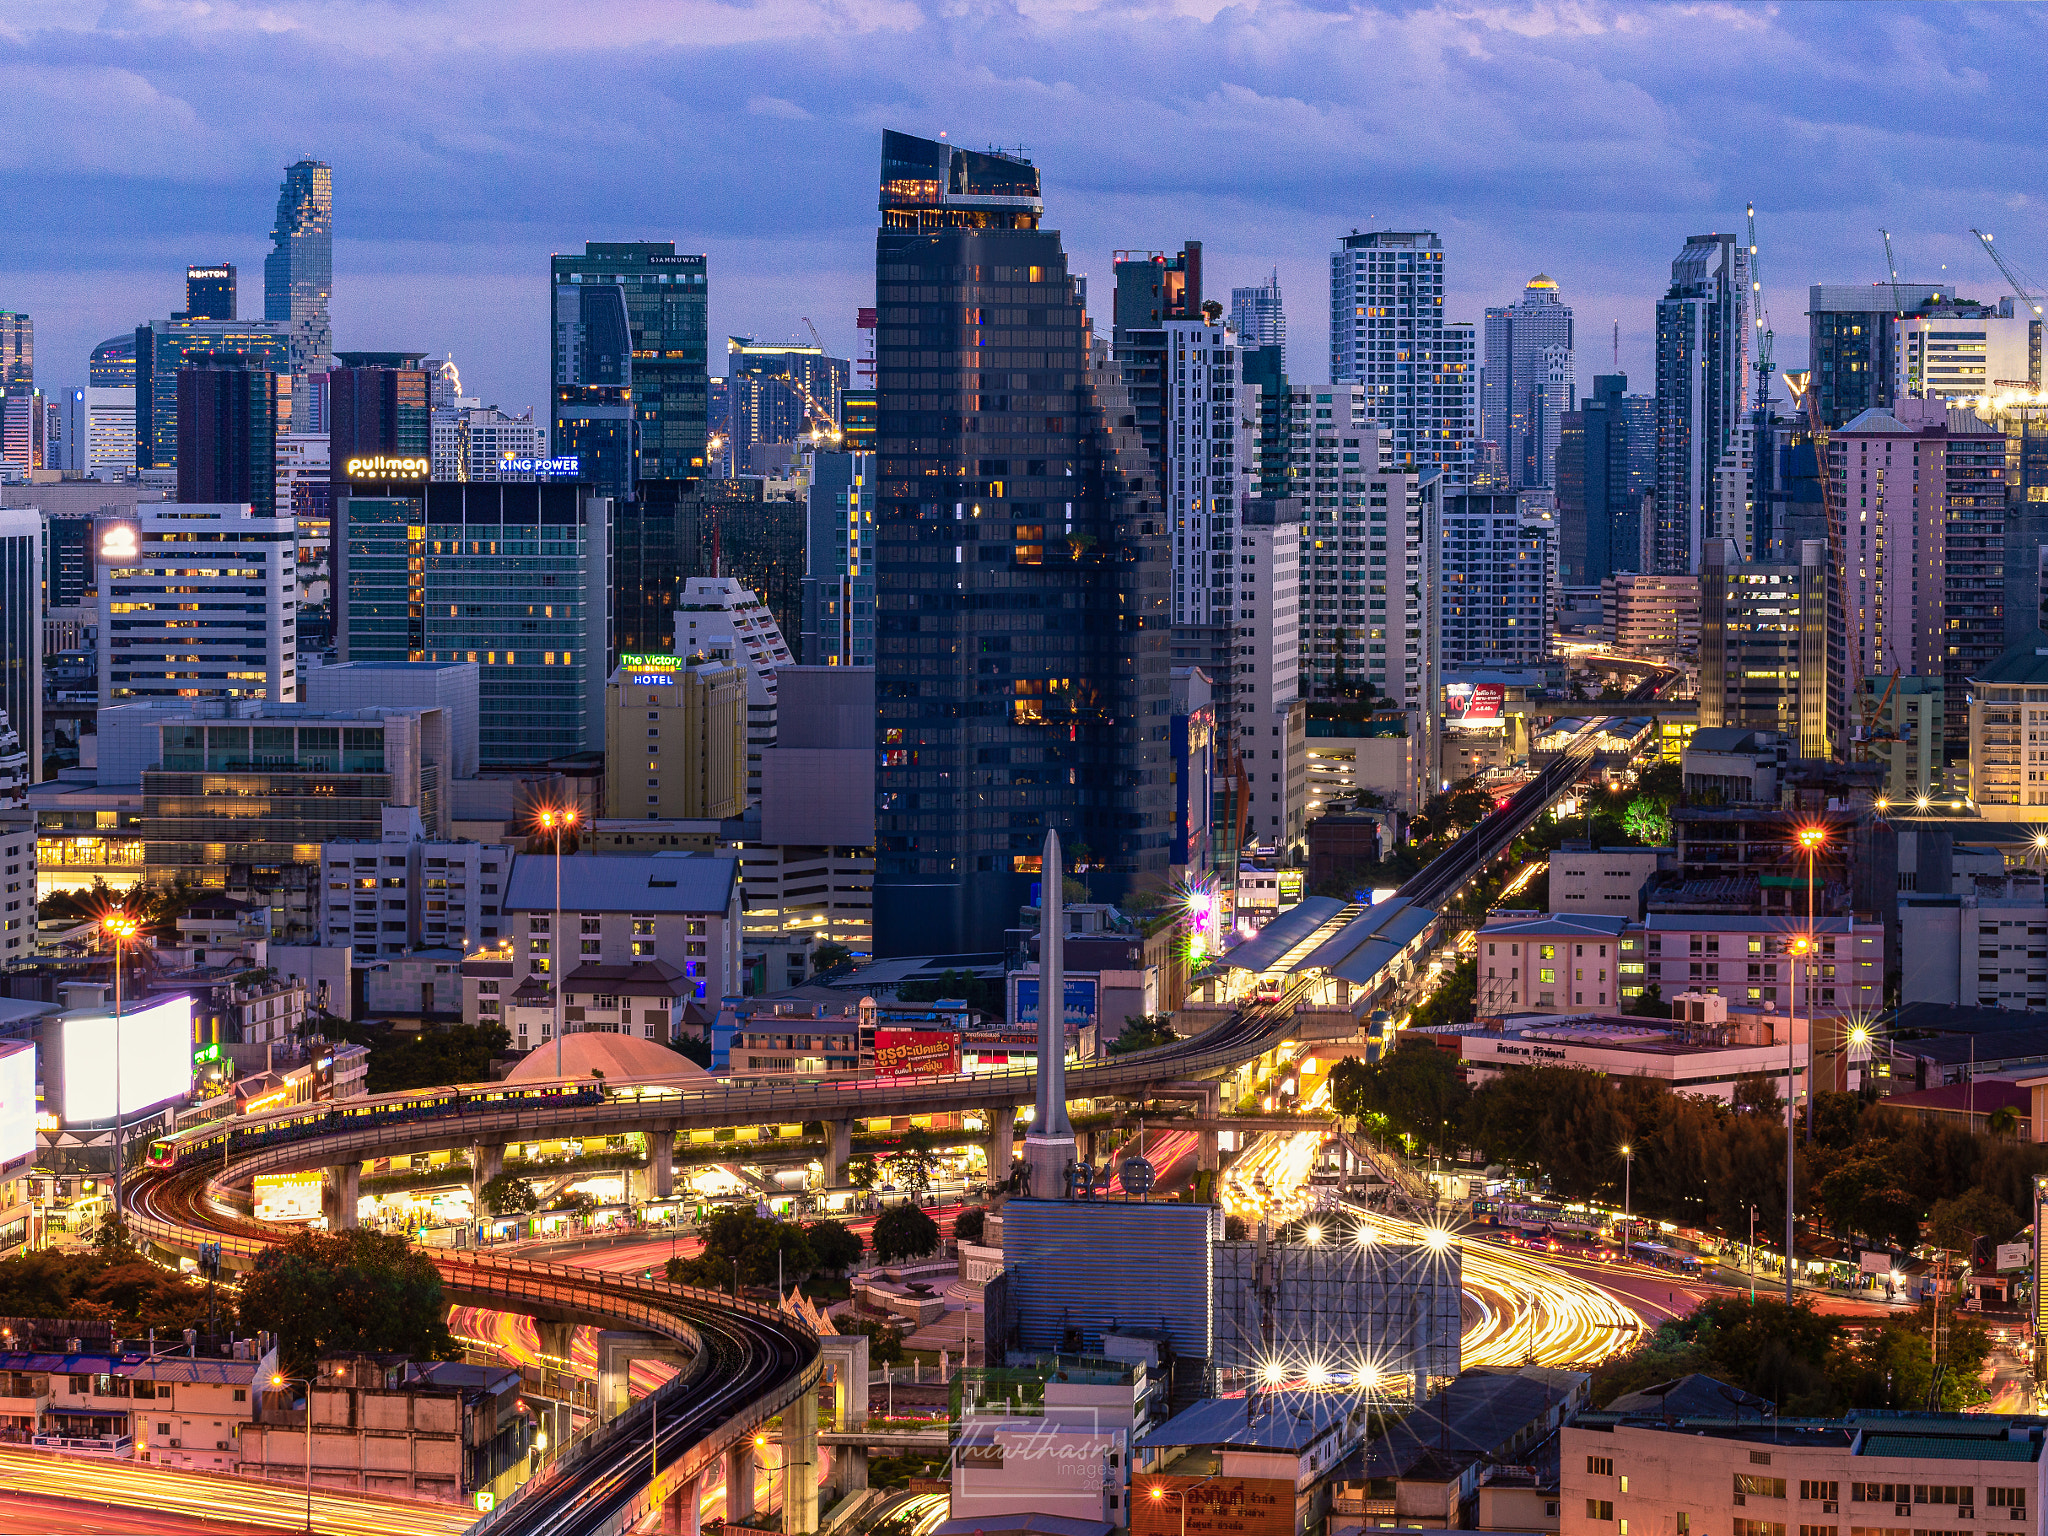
1160, 1495
277, 1381
1811, 841
1752, 1255
1628, 1175
1802, 946
557, 821
120, 927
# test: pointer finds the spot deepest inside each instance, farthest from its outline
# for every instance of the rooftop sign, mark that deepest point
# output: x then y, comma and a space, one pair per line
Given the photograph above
388, 466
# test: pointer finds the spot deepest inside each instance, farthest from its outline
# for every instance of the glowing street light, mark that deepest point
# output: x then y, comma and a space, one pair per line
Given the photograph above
278, 1381
123, 928
557, 820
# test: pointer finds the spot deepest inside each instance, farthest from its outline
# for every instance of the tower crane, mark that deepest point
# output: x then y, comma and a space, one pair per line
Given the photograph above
1898, 314
1760, 453
2007, 272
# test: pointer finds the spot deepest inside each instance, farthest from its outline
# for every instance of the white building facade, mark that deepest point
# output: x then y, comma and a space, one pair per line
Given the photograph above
198, 601
1388, 332
1528, 382
1208, 432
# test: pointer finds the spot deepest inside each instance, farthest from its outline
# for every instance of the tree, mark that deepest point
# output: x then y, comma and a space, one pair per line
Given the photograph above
1756, 1093
1647, 822
1957, 1222
327, 1293
1866, 1193
507, 1194
765, 1247
2002, 1121
835, 1247
1419, 1090
860, 1171
693, 1048
829, 956
885, 1340
1455, 1000
117, 1286
1648, 1004
1142, 1032
913, 1162
905, 1232
970, 1225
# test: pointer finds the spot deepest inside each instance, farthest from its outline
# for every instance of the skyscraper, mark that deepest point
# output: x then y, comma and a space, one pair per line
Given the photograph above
1599, 514
1499, 581
1257, 316
298, 274
776, 391
227, 433
376, 403
210, 292
1528, 383
17, 348
1702, 377
164, 347
1763, 644
23, 553
112, 365
655, 353
1021, 567
1387, 332
1850, 343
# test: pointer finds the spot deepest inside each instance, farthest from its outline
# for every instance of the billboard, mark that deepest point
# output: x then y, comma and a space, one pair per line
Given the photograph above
156, 1060
17, 1104
1485, 702
1215, 1506
2015, 1255
916, 1052
1080, 1010
289, 1196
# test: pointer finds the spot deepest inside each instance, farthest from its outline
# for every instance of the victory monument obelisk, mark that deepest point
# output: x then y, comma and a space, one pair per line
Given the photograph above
1049, 1144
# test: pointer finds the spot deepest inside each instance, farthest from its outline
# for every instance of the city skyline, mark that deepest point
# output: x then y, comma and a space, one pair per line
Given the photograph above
432, 251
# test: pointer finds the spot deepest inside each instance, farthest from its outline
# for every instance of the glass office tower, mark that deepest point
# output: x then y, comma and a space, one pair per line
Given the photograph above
298, 274
511, 576
664, 364
1021, 567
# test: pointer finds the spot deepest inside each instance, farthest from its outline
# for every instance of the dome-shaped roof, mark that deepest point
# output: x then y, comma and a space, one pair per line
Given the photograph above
623, 1059
1542, 280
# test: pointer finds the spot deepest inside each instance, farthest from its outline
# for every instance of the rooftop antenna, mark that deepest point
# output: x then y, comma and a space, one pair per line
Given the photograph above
1617, 346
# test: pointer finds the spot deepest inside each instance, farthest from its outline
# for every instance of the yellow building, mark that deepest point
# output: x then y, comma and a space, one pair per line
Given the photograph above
675, 738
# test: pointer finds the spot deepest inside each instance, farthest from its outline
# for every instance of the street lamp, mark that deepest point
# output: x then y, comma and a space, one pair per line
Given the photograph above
121, 927
277, 1381
1801, 947
1628, 1174
557, 821
1161, 1494
1752, 1255
1811, 841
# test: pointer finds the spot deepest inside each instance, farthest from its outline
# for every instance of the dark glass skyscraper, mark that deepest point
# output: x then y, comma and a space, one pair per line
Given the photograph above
1021, 574
665, 357
377, 402
227, 433
298, 274
210, 292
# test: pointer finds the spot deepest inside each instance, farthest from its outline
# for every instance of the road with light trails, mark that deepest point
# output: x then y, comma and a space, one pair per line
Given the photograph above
21, 1512
180, 1501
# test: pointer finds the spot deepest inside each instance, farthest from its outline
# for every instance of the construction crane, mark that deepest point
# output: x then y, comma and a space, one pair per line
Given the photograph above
1894, 268
1764, 338
1898, 314
2006, 270
1760, 453
814, 333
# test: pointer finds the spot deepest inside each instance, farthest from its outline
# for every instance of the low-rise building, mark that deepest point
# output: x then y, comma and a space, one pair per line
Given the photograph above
1685, 1057
404, 891
185, 1410
1728, 765
1750, 959
1269, 1463
402, 1429
1564, 962
415, 985
1052, 1438
1604, 882
1865, 1472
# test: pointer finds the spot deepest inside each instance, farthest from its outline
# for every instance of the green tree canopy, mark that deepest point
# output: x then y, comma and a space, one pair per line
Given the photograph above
904, 1232
1142, 1032
325, 1293
735, 1232
1418, 1090
508, 1194
913, 1162
835, 1246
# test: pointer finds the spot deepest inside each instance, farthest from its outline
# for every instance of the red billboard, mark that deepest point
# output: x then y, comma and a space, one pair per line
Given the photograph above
1485, 702
916, 1052
1212, 1506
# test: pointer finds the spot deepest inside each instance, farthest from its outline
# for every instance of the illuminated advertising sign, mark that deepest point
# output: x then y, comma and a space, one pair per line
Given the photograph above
1485, 702
17, 1104
563, 464
289, 1196
651, 671
155, 1055
1080, 1009
916, 1052
120, 542
1214, 1506
387, 466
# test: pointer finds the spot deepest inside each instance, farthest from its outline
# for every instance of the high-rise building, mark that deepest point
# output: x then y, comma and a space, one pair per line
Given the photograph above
1388, 332
1763, 644
1850, 343
474, 441
377, 404
164, 347
1528, 383
17, 348
227, 433
1702, 381
511, 577
1920, 503
1269, 741
1499, 581
1652, 615
23, 556
678, 530
719, 616
298, 274
684, 717
157, 642
1152, 290
69, 434
1603, 475
1258, 318
24, 429
659, 356
1022, 566
839, 572
210, 292
112, 365
776, 392
1955, 350
305, 493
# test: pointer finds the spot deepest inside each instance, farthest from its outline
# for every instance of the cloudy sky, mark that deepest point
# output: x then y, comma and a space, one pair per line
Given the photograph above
472, 137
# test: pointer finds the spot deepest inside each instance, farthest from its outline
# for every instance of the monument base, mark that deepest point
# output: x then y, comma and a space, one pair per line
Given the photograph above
1046, 1158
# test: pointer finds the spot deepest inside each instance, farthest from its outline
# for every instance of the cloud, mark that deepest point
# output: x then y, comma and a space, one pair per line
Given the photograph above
469, 139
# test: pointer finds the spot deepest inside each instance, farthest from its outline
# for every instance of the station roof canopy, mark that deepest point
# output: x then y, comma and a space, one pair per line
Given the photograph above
1357, 951
1283, 933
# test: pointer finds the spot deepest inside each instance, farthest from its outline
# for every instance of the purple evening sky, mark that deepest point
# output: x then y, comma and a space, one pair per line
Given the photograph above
471, 138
